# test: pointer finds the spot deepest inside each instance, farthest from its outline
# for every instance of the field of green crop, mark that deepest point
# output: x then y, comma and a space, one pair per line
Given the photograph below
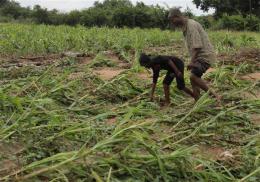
75, 106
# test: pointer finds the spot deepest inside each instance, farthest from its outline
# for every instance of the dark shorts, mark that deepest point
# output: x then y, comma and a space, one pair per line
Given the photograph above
200, 67
171, 75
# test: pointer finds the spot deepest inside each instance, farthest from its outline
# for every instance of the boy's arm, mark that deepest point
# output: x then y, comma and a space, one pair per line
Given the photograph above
156, 72
174, 67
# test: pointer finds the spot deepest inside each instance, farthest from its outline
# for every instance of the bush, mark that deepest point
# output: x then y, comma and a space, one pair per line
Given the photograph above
234, 22
238, 22
205, 21
252, 23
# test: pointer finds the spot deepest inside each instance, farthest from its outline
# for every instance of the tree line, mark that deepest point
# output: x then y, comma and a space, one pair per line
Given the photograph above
123, 13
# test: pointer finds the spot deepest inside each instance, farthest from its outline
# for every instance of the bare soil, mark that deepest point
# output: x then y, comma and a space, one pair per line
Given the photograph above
108, 73
252, 76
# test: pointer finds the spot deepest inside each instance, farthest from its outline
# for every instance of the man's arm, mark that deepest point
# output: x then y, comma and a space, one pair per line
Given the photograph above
174, 67
195, 53
156, 72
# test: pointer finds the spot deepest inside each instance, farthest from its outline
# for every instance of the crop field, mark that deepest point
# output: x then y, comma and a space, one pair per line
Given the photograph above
74, 106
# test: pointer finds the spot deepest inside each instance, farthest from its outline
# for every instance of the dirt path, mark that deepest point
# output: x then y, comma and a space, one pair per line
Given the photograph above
108, 73
252, 76
255, 118
9, 153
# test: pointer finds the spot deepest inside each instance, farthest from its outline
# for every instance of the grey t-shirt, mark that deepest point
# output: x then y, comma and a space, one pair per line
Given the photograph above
196, 37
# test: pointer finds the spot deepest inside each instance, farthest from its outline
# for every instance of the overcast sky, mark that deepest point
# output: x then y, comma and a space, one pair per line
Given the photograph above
68, 5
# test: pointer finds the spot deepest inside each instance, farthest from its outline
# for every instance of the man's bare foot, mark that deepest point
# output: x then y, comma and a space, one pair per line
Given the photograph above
165, 104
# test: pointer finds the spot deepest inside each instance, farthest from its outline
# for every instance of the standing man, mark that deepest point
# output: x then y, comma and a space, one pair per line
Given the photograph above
200, 49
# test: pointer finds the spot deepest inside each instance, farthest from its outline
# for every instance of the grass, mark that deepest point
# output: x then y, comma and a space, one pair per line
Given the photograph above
88, 129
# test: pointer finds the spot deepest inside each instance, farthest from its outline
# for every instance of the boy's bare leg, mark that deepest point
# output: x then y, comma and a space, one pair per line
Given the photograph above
167, 93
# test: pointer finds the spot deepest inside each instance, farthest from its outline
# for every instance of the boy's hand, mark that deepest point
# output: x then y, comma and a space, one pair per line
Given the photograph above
179, 74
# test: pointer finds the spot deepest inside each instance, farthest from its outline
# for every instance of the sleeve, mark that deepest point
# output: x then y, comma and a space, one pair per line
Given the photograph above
156, 73
195, 38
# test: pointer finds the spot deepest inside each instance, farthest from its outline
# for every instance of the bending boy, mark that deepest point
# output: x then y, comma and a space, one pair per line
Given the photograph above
175, 68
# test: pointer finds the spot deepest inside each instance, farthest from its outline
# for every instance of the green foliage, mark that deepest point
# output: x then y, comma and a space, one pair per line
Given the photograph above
56, 126
122, 13
238, 22
231, 7
206, 21
235, 22
21, 39
113, 13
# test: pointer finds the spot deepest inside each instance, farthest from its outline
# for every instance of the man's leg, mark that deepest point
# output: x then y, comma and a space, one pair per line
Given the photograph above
189, 92
199, 83
195, 88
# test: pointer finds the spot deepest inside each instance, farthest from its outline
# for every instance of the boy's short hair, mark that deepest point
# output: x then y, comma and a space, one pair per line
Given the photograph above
144, 60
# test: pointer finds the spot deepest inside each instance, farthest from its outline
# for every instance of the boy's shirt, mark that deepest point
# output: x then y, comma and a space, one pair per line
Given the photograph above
162, 63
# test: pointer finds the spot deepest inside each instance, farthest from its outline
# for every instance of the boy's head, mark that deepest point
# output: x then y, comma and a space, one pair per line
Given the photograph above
145, 60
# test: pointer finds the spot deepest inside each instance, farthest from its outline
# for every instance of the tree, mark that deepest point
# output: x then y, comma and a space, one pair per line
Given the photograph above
3, 2
41, 15
73, 18
231, 7
11, 9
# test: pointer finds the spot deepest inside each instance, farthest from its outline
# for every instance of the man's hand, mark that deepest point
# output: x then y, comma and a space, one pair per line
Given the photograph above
190, 66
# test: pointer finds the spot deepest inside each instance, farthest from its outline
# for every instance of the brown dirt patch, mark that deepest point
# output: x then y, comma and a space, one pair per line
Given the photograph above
85, 60
43, 60
117, 59
111, 55
252, 77
255, 118
111, 121
75, 76
10, 159
7, 166
249, 95
211, 152
248, 55
10, 149
144, 76
108, 73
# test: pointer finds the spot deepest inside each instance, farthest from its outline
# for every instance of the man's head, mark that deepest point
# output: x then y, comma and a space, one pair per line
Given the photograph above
176, 18
145, 60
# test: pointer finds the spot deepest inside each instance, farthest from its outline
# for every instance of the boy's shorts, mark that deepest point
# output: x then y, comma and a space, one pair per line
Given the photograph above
200, 67
171, 75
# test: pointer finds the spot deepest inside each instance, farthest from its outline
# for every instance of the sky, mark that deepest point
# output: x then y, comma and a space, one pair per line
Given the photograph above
68, 5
